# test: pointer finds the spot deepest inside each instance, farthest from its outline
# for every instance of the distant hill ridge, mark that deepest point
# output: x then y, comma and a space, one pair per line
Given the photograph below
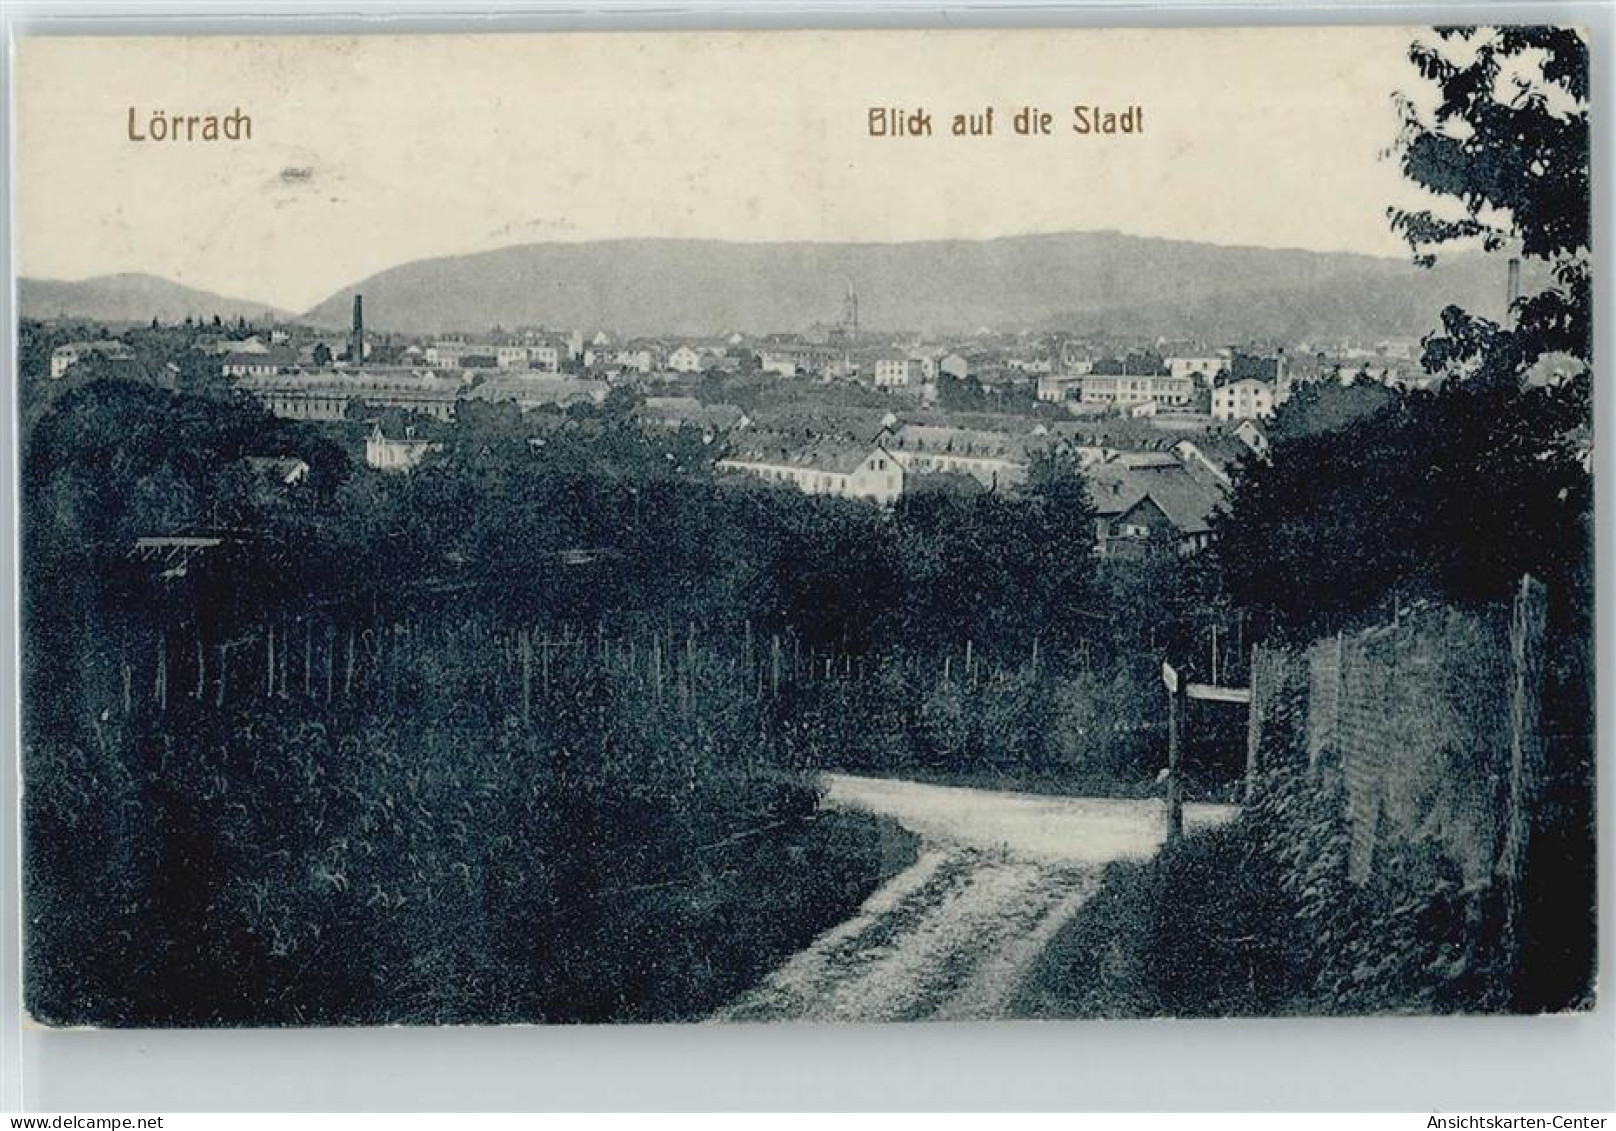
1100, 281
1095, 280
132, 298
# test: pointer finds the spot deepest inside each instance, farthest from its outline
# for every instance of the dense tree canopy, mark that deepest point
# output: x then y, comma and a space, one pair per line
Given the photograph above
575, 518
1505, 147
1457, 493
1450, 495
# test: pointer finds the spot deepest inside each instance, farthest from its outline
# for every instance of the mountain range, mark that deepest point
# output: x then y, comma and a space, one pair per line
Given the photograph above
132, 298
1090, 281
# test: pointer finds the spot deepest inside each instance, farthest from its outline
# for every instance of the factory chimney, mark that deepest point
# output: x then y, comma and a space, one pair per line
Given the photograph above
356, 343
1514, 281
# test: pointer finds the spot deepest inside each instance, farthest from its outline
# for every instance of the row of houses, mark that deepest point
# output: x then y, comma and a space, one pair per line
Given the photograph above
1145, 502
327, 394
64, 357
547, 355
1119, 385
1240, 387
1059, 365
1143, 507
553, 353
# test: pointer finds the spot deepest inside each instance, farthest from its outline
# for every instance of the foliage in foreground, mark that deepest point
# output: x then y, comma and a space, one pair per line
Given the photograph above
268, 867
1258, 918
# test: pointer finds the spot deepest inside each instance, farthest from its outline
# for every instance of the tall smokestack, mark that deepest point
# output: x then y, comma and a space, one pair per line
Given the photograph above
1514, 281
356, 346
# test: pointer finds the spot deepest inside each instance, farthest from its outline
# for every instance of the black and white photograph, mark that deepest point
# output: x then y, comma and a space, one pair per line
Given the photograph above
741, 527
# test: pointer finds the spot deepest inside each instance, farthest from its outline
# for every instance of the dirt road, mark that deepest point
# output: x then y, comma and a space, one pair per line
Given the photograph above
952, 937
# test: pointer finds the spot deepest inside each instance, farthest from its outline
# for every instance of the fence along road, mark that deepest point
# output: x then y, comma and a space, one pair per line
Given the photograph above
953, 936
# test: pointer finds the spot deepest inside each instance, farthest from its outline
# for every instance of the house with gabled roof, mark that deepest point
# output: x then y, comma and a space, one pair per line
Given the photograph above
260, 363
1150, 510
66, 356
537, 390
396, 453
1212, 458
822, 466
994, 459
714, 420
1253, 437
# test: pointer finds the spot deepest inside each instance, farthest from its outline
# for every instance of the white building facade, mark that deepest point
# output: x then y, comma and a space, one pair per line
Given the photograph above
1249, 399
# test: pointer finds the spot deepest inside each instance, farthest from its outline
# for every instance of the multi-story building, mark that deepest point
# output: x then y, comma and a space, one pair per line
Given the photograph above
1128, 390
995, 460
790, 356
511, 355
896, 371
447, 353
548, 355
1248, 399
327, 395
825, 467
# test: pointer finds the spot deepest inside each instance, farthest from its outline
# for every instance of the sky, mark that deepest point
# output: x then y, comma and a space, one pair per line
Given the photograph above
368, 152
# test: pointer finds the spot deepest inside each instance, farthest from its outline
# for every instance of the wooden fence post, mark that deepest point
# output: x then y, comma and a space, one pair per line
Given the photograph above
1177, 709
162, 670
348, 670
524, 644
1525, 754
1256, 721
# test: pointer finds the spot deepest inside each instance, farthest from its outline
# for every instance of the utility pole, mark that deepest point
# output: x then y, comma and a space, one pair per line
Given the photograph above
1177, 711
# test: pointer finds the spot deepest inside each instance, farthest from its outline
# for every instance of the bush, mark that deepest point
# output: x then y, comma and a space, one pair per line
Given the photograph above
1258, 917
1197, 931
276, 865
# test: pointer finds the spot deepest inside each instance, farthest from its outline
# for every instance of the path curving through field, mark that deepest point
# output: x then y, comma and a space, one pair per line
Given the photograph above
952, 937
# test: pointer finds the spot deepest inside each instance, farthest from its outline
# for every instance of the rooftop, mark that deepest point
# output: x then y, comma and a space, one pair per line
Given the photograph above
828, 454
1187, 503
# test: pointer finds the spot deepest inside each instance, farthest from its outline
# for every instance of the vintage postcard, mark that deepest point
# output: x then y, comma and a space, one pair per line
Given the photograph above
818, 525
